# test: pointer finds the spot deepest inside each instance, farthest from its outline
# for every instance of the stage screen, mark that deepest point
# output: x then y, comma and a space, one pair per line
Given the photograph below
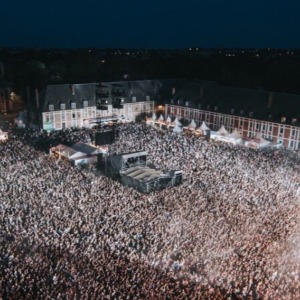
104, 138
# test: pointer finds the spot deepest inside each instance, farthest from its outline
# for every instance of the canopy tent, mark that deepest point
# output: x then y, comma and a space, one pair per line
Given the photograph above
160, 121
176, 122
151, 120
204, 127
154, 117
236, 134
192, 125
224, 136
222, 131
161, 118
177, 128
257, 142
169, 120
3, 135
262, 142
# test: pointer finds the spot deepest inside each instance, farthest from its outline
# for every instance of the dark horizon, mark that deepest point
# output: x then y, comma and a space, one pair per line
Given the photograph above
193, 48
151, 24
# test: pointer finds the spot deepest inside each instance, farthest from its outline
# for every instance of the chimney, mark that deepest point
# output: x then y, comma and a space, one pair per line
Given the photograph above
37, 100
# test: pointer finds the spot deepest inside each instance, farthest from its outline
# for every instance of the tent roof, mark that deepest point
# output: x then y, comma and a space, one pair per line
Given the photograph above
236, 134
177, 129
223, 130
169, 119
192, 124
204, 126
176, 122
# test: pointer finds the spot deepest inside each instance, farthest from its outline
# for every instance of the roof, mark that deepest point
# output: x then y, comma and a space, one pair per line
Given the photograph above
221, 98
84, 148
65, 150
69, 93
144, 174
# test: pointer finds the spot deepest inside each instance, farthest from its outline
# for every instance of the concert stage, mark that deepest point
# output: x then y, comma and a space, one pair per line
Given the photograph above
132, 170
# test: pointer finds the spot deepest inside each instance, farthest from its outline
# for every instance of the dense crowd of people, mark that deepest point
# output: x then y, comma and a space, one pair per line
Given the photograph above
231, 230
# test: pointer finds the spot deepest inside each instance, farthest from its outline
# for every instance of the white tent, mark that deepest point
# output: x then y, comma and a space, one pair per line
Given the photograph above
154, 117
176, 122
192, 125
204, 127
262, 142
168, 121
177, 128
222, 131
223, 135
236, 134
257, 142
161, 118
3, 135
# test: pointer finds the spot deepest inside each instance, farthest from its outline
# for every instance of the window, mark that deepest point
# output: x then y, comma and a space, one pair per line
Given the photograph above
281, 130
241, 122
85, 103
62, 106
147, 98
73, 116
73, 105
291, 144
293, 132
51, 107
133, 99
270, 128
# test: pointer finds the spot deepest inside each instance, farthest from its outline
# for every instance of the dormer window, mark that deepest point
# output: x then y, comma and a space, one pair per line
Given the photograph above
51, 107
62, 106
85, 103
73, 105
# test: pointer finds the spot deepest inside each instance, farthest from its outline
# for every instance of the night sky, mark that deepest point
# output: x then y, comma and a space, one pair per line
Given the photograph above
150, 23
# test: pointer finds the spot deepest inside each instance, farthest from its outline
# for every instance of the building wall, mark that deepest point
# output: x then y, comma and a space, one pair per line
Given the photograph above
288, 135
59, 119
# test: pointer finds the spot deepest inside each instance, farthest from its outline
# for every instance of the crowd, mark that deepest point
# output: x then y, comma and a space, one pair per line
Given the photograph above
231, 230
